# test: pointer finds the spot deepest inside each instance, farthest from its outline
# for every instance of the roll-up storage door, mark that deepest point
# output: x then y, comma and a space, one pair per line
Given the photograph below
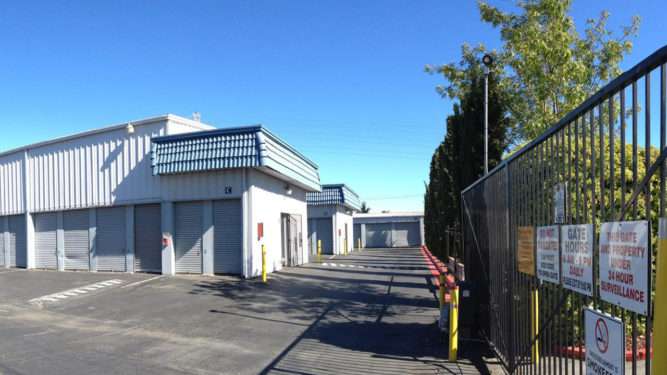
46, 248
147, 238
110, 239
75, 226
17, 248
188, 237
378, 235
2, 241
325, 234
406, 234
228, 235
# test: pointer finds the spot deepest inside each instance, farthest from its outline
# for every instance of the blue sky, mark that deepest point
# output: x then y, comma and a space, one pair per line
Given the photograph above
342, 81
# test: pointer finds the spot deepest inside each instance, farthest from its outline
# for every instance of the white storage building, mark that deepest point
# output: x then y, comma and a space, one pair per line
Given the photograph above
164, 194
330, 218
389, 229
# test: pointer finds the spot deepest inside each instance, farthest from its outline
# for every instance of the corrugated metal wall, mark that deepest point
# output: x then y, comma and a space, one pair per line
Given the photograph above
98, 170
11, 184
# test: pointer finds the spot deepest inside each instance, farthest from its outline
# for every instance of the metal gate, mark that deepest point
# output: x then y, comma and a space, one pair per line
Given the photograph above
147, 238
46, 248
608, 156
228, 235
17, 245
110, 239
76, 238
188, 237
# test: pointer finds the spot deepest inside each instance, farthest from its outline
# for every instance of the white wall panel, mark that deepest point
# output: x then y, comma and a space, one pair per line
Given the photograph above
98, 170
269, 200
202, 186
11, 184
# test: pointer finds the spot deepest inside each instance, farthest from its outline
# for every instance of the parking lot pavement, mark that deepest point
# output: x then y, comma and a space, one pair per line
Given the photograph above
371, 312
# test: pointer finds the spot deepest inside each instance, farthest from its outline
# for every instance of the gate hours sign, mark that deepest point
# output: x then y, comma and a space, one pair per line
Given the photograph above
577, 258
548, 260
624, 252
605, 344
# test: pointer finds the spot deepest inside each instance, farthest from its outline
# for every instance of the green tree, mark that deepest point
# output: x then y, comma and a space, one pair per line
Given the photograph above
459, 159
364, 208
545, 67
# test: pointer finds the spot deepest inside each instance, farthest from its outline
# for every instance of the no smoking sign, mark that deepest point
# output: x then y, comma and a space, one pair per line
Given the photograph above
605, 343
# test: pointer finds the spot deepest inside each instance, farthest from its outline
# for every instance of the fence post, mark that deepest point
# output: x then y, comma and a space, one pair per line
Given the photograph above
660, 314
264, 263
454, 324
535, 324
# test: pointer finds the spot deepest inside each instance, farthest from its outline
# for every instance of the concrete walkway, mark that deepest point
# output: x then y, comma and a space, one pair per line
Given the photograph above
383, 321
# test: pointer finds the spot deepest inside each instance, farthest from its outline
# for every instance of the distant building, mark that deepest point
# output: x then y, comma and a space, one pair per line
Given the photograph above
389, 229
330, 218
164, 194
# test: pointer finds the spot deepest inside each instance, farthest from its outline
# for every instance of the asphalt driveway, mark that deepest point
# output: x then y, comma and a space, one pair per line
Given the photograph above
371, 312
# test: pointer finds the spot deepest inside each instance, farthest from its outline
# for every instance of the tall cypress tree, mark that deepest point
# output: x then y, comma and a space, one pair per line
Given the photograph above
459, 160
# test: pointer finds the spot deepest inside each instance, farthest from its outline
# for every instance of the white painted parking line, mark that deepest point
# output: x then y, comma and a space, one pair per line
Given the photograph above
342, 265
61, 296
140, 282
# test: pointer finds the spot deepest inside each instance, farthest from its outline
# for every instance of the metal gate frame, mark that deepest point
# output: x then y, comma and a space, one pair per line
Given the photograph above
579, 151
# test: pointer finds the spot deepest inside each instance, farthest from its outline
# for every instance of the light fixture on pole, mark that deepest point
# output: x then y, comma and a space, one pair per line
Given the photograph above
488, 61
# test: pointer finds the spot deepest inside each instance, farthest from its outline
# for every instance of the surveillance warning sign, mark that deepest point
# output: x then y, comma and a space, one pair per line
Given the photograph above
548, 259
577, 258
624, 260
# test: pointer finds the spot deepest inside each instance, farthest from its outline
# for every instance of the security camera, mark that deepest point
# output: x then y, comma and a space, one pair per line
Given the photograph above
487, 60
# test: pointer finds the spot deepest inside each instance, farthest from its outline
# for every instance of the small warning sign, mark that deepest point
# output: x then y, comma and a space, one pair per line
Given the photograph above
548, 256
526, 250
605, 344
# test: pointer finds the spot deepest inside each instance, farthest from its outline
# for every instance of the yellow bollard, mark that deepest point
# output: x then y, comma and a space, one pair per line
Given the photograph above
454, 324
535, 324
359, 243
660, 315
263, 263
345, 244
319, 251
442, 290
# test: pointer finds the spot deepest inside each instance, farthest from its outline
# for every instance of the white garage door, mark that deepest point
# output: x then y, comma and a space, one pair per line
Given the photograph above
406, 235
228, 235
378, 235
2, 241
147, 238
46, 250
75, 225
17, 248
188, 237
110, 239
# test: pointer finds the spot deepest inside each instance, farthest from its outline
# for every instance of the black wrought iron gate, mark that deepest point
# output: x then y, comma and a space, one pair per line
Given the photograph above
608, 156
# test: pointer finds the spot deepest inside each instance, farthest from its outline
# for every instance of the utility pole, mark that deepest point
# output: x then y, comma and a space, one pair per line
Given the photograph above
487, 60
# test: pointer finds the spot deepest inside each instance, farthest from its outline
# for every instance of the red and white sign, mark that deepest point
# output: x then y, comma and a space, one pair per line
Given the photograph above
548, 260
577, 258
624, 257
605, 344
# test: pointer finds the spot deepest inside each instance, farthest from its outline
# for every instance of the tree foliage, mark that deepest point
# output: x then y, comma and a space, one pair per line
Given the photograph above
459, 159
364, 208
545, 67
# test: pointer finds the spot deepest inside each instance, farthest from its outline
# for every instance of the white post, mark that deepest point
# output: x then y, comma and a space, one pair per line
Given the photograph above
168, 255
129, 238
208, 243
